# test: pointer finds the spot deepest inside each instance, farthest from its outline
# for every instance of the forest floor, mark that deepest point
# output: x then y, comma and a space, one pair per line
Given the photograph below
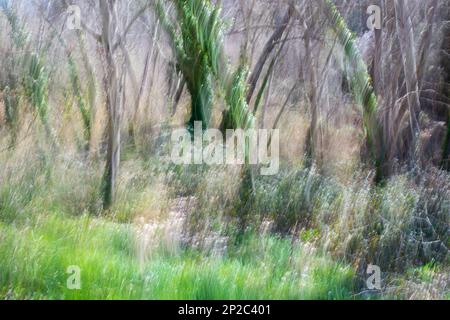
50, 226
118, 261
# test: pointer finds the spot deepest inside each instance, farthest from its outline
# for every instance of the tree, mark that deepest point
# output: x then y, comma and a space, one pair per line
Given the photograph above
268, 48
112, 39
196, 38
361, 85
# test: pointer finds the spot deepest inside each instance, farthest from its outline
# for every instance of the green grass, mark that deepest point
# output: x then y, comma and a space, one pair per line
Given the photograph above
49, 221
35, 256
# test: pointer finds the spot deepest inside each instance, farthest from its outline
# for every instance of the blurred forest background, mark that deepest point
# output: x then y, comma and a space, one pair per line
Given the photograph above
87, 108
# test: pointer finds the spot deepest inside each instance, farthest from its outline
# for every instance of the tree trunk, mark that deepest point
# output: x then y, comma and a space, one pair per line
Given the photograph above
311, 76
446, 87
114, 102
268, 48
405, 33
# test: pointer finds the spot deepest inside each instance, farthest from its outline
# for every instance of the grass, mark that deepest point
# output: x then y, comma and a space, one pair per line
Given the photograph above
49, 220
35, 257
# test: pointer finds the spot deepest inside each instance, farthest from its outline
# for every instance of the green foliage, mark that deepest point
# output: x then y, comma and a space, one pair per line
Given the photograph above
36, 86
238, 116
198, 46
32, 72
81, 101
18, 190
9, 77
18, 33
294, 198
11, 101
361, 83
273, 231
394, 226
106, 255
196, 36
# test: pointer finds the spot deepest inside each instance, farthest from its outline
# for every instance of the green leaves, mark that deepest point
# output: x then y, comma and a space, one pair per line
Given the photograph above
11, 101
83, 105
33, 75
238, 116
197, 40
36, 85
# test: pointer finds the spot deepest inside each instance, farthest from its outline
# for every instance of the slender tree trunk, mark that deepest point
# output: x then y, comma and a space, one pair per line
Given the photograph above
114, 102
445, 163
144, 78
405, 33
92, 91
152, 77
134, 118
311, 75
178, 94
268, 48
266, 101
